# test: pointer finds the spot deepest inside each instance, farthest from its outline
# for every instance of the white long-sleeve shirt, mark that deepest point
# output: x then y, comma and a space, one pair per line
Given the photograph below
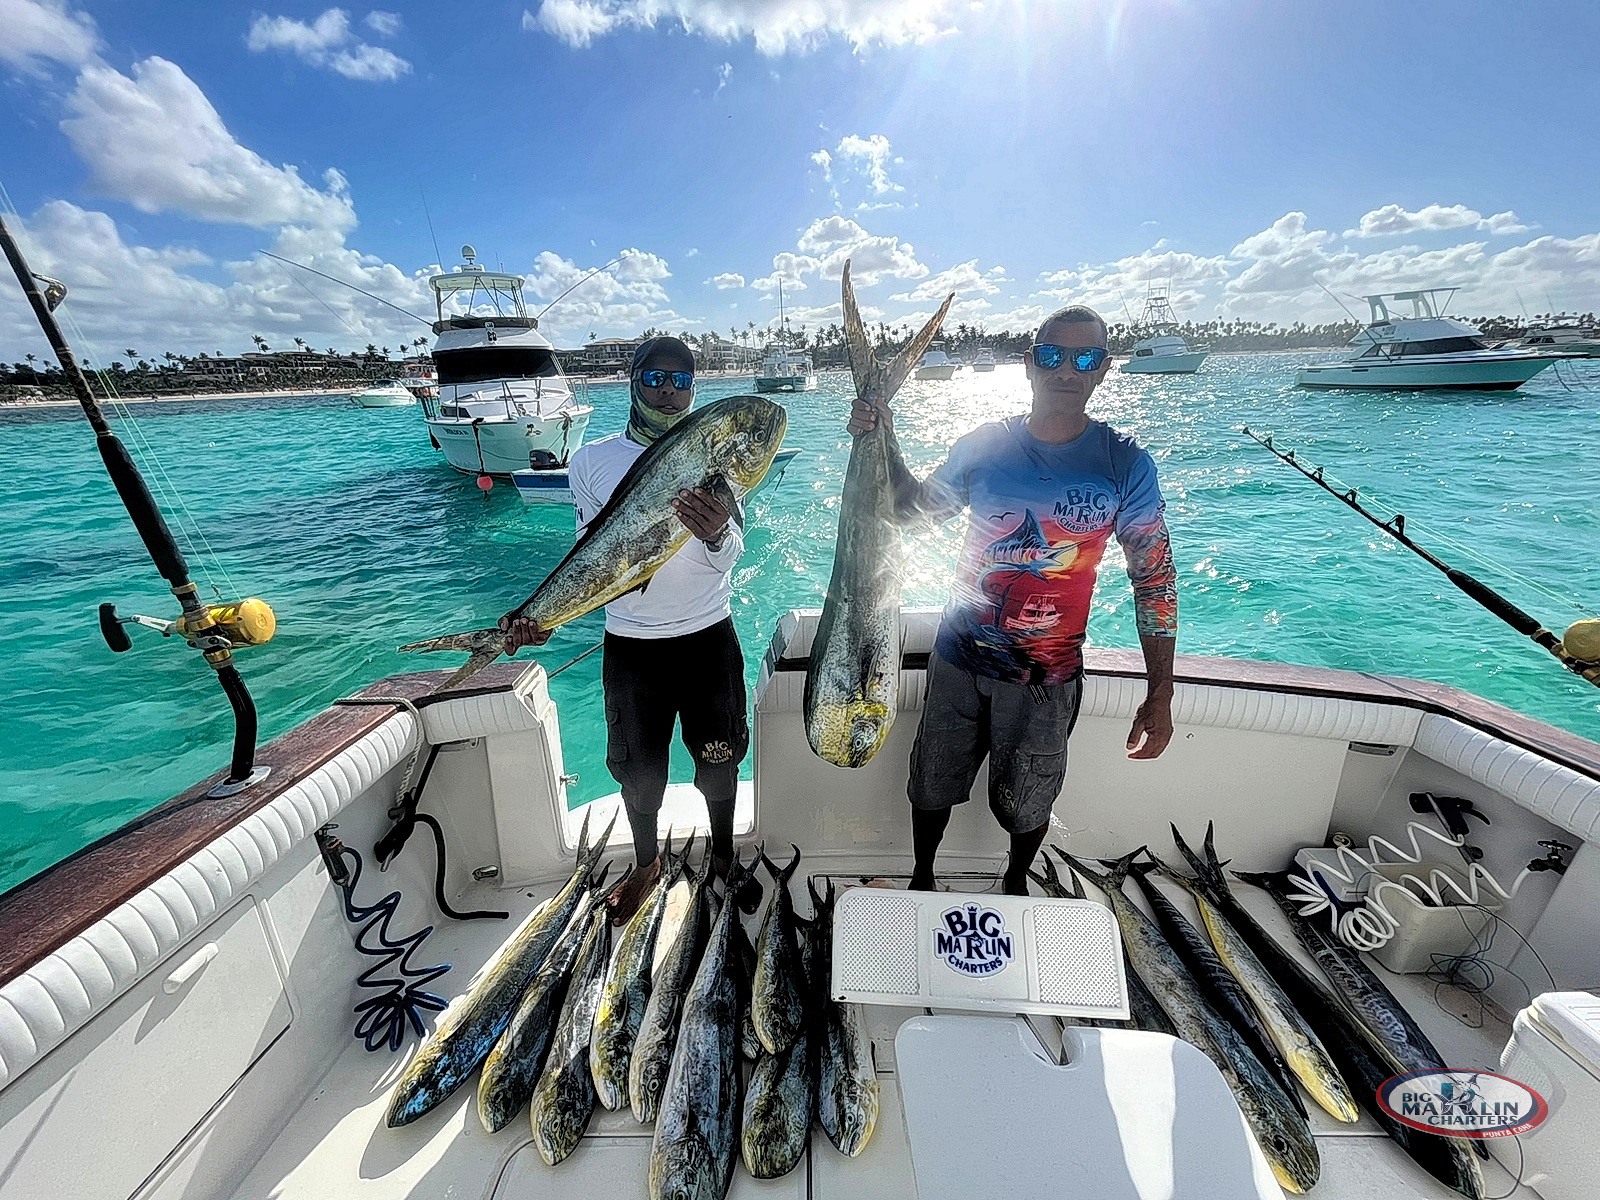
692, 591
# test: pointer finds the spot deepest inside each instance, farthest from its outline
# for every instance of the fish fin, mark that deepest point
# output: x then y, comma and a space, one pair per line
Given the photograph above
781, 876
902, 364
597, 881
1108, 881
468, 669
583, 833
1044, 883
472, 642
716, 484
864, 369
1267, 881
1196, 863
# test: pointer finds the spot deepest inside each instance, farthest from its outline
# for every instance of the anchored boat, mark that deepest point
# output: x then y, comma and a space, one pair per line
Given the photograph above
1426, 350
503, 403
983, 360
785, 369
936, 364
383, 393
1161, 351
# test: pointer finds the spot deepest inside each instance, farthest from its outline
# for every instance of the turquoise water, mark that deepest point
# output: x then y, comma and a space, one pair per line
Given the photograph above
352, 527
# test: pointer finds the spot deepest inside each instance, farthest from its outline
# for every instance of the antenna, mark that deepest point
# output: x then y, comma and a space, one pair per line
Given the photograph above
351, 286
576, 286
438, 257
1348, 313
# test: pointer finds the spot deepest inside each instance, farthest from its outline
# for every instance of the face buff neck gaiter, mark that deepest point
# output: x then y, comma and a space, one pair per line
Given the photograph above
645, 423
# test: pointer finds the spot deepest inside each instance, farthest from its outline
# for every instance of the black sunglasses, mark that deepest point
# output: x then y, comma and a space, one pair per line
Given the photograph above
682, 380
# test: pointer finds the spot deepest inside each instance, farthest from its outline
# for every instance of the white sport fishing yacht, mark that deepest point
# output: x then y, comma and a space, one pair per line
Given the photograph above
383, 393
176, 1001
1564, 337
503, 404
1162, 351
983, 360
1426, 350
936, 364
786, 371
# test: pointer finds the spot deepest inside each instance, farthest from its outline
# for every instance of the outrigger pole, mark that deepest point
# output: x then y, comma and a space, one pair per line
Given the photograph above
213, 630
1586, 631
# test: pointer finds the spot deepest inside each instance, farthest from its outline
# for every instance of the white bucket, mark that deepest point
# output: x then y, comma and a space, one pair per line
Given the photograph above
1424, 929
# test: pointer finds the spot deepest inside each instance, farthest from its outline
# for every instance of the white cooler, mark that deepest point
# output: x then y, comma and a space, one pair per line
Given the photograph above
1555, 1050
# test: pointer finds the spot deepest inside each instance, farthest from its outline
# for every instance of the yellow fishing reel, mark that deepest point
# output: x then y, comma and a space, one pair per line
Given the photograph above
216, 630
1581, 645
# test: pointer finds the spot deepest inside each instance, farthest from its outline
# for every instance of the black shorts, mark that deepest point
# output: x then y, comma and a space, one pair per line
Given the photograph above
1022, 729
649, 682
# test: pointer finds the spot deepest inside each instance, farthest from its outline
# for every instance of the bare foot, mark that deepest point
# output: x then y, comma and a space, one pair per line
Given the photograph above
625, 901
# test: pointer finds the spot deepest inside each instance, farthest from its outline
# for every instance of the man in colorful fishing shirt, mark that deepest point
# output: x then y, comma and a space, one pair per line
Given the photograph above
1044, 493
671, 653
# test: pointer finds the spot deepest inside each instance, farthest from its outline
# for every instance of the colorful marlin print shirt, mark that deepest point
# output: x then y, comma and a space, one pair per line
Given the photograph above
1040, 518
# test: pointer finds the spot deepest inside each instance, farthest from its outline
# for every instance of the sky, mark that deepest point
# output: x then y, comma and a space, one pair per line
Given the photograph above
1267, 161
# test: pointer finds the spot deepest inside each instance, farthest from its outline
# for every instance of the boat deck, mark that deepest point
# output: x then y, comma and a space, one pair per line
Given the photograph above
337, 1144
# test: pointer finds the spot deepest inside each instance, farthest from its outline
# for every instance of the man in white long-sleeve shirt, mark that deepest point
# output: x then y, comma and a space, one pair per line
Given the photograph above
671, 653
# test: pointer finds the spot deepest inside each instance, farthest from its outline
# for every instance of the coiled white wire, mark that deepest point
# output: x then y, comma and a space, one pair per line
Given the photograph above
1373, 925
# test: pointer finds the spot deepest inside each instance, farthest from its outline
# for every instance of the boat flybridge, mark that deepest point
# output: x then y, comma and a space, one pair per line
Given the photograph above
503, 404
936, 364
785, 370
1426, 350
176, 1001
1162, 351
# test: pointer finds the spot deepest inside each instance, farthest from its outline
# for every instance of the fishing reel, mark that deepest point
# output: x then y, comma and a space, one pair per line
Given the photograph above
1581, 645
216, 629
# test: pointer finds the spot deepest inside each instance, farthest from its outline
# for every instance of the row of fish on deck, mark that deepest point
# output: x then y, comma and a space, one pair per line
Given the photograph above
561, 1020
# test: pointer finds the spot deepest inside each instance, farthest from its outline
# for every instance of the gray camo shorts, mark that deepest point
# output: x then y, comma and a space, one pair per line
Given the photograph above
1022, 729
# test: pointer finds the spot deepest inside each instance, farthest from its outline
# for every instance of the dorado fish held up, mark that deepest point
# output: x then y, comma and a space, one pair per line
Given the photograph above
514, 1066
1281, 1132
627, 987
847, 1077
854, 676
563, 1102
1361, 1056
777, 1003
725, 448
697, 1129
469, 1029
658, 1032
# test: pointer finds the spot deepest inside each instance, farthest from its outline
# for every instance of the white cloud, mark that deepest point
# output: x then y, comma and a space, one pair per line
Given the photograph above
728, 279
872, 155
776, 26
1394, 219
156, 142
964, 279
328, 43
824, 246
1117, 288
724, 73
624, 300
824, 160
40, 31
384, 24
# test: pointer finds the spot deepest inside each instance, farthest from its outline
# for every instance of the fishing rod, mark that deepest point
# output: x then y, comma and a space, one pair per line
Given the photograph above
351, 286
214, 630
1582, 656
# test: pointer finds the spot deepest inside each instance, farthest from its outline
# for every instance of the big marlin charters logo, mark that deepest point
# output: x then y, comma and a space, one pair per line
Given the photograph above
973, 940
1473, 1104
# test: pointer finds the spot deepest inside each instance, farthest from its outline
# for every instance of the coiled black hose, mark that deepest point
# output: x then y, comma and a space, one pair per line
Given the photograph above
401, 1000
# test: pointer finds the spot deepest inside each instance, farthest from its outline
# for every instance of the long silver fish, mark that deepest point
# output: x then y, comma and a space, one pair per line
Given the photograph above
854, 676
1281, 1132
1222, 988
777, 1002
781, 1100
1362, 1057
847, 1078
697, 1129
658, 1032
627, 987
515, 1064
469, 1029
1299, 1044
563, 1102
725, 447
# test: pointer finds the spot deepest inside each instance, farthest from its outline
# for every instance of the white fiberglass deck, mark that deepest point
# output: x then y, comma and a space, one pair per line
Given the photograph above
336, 1144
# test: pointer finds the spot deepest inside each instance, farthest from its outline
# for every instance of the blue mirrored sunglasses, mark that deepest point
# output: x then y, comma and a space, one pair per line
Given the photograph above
1083, 358
682, 380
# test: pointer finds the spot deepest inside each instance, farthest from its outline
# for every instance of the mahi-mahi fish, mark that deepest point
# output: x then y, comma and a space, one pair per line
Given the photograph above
1362, 1057
563, 1102
724, 448
847, 1078
658, 1033
854, 675
469, 1029
697, 1129
1281, 1132
781, 1100
627, 987
777, 1002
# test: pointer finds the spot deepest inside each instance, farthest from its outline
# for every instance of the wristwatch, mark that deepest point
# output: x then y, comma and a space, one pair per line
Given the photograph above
715, 544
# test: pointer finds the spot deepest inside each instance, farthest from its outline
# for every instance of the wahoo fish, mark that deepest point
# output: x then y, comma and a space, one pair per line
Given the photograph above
777, 1003
1224, 991
782, 1097
1281, 1132
470, 1027
658, 1032
564, 1100
847, 1079
1361, 1055
724, 448
697, 1130
627, 987
854, 676
515, 1064
749, 1042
